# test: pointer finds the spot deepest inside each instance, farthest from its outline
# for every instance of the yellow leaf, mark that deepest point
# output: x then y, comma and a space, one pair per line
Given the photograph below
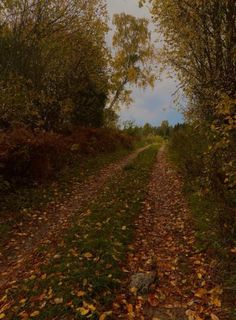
22, 301
89, 306
4, 298
58, 300
2, 316
216, 302
88, 255
104, 315
214, 317
34, 314
133, 290
82, 311
80, 294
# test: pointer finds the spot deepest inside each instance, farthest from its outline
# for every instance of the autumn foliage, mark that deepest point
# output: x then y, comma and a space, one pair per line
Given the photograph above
35, 156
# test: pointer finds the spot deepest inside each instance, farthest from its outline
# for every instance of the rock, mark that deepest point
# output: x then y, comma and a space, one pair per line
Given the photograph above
143, 281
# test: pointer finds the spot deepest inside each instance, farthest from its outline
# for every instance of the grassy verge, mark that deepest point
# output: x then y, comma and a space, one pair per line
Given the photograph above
207, 209
83, 277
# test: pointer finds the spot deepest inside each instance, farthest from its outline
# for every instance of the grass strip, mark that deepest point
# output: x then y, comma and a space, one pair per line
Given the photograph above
82, 279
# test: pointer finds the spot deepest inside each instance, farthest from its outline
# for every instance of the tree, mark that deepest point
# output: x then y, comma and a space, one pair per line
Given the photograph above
200, 47
47, 65
132, 63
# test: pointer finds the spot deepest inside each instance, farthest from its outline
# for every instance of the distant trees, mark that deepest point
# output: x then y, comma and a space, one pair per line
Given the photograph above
164, 130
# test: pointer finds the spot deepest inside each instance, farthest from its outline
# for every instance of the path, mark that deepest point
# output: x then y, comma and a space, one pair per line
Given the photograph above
164, 233
23, 250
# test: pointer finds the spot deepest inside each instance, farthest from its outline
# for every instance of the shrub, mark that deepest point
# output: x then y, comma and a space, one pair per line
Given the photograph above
27, 156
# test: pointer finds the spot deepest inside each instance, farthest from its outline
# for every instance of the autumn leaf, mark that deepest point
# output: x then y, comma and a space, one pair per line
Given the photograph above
34, 314
214, 317
83, 311
105, 315
153, 300
88, 255
58, 300
133, 290
80, 294
200, 292
192, 315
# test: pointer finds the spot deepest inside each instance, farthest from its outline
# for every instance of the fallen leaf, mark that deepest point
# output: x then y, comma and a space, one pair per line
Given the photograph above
153, 300
104, 315
80, 294
134, 290
216, 302
200, 292
83, 311
58, 300
88, 255
22, 301
34, 314
214, 317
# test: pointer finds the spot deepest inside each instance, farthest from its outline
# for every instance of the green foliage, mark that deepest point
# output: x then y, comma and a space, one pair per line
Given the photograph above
164, 130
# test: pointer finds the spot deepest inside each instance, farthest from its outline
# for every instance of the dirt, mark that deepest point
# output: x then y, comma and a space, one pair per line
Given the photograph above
185, 288
24, 248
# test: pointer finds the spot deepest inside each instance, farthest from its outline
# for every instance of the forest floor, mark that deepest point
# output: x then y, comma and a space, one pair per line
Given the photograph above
77, 260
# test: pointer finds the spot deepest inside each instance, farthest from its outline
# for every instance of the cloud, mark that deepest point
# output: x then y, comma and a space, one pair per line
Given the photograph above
151, 106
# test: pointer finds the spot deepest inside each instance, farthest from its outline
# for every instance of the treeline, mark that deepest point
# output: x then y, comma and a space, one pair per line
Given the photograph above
200, 38
147, 130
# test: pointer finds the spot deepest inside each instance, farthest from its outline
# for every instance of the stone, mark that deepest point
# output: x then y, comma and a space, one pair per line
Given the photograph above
143, 281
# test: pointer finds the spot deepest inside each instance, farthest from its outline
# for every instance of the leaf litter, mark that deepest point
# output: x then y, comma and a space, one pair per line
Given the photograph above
185, 288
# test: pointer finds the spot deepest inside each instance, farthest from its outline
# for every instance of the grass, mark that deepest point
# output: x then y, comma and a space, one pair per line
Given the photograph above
81, 283
13, 204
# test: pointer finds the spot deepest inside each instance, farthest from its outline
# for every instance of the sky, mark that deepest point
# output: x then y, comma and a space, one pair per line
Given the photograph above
152, 105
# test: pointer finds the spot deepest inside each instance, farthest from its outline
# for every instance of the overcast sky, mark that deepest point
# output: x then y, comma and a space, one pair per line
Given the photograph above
151, 106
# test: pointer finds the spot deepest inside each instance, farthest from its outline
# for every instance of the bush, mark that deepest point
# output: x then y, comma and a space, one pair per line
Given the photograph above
203, 170
27, 156
187, 147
